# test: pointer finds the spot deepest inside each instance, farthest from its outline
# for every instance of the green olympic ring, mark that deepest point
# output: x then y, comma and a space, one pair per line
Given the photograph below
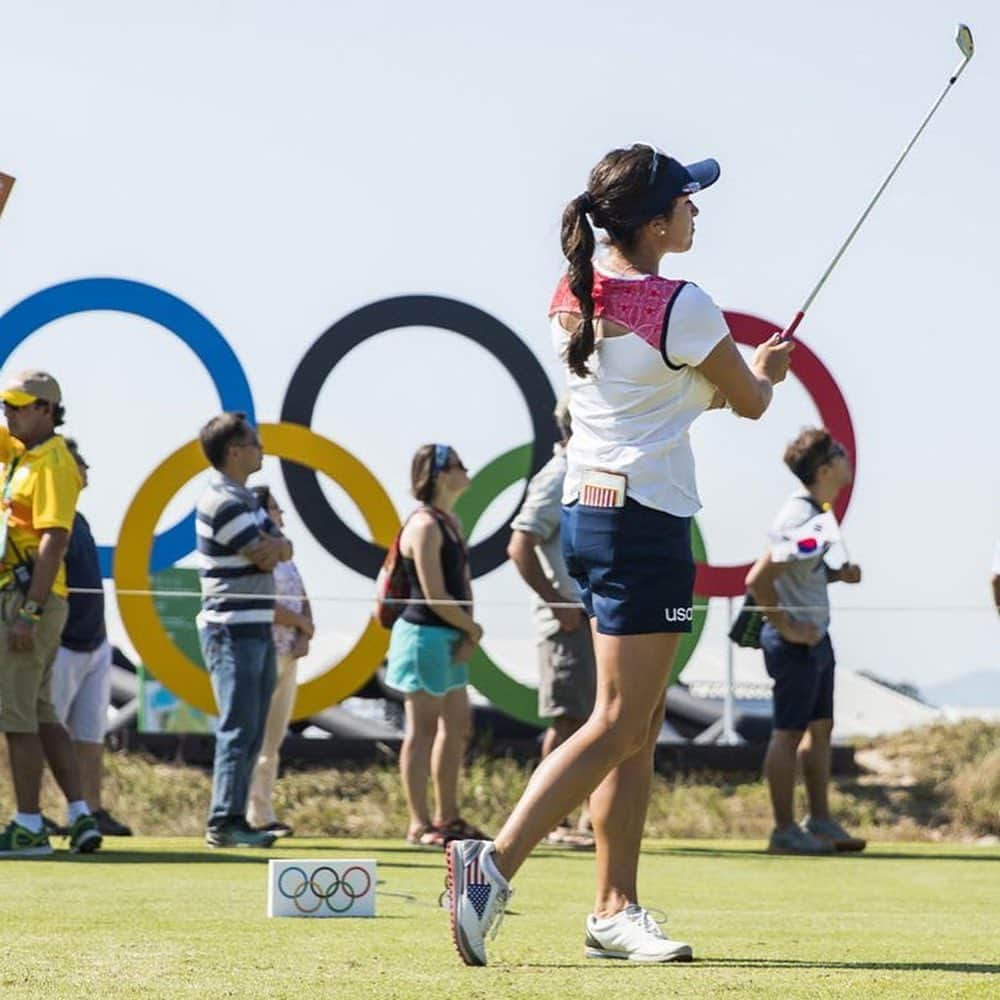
516, 699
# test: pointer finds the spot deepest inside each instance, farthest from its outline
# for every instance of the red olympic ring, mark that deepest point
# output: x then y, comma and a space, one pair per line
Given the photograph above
728, 581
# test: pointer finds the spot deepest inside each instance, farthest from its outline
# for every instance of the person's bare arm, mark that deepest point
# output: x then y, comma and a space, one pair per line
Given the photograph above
847, 573
523, 552
51, 550
746, 388
422, 543
760, 583
267, 552
291, 619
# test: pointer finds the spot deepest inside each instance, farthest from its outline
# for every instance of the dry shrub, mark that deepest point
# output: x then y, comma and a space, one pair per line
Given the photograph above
975, 795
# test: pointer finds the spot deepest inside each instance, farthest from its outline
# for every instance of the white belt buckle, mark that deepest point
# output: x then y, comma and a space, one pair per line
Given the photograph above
602, 489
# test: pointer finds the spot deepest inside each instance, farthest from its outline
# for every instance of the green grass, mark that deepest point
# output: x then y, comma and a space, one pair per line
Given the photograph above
168, 918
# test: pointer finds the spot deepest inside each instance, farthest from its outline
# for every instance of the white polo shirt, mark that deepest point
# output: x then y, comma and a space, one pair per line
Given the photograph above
632, 413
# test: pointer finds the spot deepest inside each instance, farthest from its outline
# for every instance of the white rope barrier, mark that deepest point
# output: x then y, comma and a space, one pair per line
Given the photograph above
527, 602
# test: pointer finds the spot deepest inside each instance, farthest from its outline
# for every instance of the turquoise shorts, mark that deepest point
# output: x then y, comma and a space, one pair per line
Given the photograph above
421, 659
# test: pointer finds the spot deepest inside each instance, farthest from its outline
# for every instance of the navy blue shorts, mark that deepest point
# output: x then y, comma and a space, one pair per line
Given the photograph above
634, 567
803, 679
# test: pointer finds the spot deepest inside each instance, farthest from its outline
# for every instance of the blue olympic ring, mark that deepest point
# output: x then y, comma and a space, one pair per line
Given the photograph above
168, 311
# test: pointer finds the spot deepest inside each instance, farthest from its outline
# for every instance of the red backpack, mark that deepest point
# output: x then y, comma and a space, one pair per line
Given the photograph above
392, 585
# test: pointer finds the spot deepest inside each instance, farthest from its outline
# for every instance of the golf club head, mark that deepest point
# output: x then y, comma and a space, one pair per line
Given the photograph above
963, 38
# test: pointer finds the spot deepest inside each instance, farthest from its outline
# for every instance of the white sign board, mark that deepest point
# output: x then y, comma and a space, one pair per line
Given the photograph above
320, 888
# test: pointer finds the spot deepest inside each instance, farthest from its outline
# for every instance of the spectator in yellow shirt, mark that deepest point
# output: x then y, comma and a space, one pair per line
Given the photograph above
40, 485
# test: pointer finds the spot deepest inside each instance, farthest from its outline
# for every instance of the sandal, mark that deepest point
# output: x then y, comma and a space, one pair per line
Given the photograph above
457, 829
417, 836
574, 840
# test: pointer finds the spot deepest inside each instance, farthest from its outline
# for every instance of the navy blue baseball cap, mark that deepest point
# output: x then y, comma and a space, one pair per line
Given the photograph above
668, 179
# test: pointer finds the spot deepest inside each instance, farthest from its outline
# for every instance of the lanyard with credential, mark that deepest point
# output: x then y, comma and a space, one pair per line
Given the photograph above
5, 516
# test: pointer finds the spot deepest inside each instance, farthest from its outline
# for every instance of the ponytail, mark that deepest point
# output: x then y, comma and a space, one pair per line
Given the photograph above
578, 248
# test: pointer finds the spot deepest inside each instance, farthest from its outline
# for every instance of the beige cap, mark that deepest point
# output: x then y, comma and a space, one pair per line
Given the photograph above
30, 386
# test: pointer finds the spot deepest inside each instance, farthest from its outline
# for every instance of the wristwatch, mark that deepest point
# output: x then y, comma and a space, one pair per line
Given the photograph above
32, 608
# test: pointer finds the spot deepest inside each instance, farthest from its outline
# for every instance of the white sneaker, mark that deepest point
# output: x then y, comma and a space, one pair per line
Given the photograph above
476, 898
632, 935
831, 832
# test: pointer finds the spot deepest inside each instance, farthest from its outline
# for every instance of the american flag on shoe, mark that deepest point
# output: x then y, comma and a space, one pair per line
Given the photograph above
476, 886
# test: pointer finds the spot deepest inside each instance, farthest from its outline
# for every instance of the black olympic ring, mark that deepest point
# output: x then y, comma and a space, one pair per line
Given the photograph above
353, 329
324, 895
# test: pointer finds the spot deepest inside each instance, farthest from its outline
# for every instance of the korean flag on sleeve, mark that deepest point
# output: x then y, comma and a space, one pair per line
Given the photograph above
807, 541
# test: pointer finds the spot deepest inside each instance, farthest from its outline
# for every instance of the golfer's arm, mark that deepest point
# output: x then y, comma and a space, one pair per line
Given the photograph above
747, 391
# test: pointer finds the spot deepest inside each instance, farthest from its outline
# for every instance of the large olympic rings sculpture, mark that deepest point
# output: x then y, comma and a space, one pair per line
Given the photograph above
304, 453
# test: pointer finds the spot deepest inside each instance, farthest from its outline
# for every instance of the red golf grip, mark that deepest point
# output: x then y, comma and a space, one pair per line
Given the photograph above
789, 330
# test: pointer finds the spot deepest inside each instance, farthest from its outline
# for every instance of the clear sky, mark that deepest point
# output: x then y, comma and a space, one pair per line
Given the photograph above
279, 165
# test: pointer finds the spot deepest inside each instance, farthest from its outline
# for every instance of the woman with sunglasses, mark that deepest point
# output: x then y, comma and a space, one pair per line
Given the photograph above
646, 356
430, 645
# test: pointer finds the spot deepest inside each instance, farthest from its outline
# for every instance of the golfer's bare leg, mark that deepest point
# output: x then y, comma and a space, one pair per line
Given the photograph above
618, 810
632, 674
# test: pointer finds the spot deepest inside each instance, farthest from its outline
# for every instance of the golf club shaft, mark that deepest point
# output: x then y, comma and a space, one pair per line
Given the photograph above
789, 331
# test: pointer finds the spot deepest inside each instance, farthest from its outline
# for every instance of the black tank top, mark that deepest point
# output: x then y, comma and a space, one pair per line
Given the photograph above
454, 560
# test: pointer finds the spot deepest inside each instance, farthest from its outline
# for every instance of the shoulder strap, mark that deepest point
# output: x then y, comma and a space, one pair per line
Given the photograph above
666, 326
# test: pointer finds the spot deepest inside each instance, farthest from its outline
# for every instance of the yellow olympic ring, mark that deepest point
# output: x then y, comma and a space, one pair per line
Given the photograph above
131, 569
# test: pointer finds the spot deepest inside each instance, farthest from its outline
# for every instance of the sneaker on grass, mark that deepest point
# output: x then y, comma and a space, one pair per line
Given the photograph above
632, 935
109, 826
52, 828
84, 837
237, 833
830, 831
18, 841
794, 840
477, 896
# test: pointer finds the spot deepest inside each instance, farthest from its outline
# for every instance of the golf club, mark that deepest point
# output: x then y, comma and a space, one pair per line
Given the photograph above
963, 38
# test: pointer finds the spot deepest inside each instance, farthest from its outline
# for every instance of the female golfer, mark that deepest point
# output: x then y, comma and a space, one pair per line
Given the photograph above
646, 356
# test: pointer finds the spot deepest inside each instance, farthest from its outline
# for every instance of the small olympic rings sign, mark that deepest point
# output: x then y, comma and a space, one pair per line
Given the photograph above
321, 888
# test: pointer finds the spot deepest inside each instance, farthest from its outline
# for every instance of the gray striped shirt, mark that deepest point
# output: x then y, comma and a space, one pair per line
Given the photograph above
234, 592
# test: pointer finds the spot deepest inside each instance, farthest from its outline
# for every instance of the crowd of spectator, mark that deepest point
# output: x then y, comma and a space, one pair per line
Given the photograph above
256, 622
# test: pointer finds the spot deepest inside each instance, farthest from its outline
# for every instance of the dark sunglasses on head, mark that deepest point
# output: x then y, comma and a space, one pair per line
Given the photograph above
455, 464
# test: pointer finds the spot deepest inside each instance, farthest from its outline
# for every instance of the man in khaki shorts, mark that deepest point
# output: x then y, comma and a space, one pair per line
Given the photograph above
566, 666
40, 485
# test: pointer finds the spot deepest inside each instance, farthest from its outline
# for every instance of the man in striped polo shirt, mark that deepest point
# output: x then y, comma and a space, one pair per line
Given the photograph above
238, 547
